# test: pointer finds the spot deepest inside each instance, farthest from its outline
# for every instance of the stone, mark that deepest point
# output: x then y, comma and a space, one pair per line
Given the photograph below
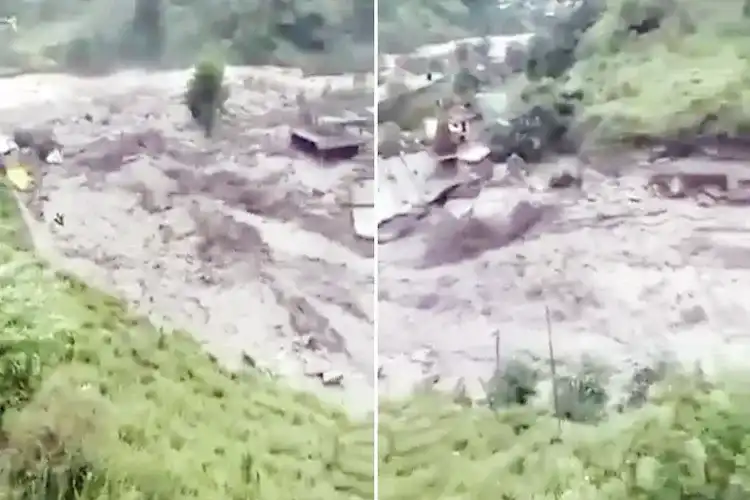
332, 377
41, 141
714, 192
55, 157
516, 166
704, 200
693, 315
676, 187
564, 179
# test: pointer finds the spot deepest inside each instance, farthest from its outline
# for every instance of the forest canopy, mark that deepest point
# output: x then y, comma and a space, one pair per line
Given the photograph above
319, 34
640, 68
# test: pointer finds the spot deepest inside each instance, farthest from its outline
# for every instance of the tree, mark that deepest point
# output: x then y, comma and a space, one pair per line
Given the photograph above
206, 94
147, 28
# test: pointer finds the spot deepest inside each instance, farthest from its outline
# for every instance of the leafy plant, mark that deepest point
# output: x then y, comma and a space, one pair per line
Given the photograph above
21, 369
90, 55
515, 383
581, 398
206, 93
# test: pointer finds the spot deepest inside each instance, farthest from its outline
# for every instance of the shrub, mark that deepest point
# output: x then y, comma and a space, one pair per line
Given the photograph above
608, 50
169, 33
53, 441
206, 93
21, 364
513, 384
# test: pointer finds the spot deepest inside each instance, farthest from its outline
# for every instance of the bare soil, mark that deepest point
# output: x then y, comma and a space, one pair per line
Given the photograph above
236, 238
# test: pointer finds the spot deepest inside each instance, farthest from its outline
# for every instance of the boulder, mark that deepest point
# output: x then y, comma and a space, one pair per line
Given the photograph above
41, 141
565, 176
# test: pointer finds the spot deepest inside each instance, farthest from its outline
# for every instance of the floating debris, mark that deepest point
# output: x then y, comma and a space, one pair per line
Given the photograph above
333, 143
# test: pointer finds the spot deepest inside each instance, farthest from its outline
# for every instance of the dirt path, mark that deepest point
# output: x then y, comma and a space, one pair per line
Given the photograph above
236, 239
627, 275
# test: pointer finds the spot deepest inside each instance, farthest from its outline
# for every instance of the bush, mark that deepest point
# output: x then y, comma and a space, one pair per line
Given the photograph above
689, 441
52, 439
206, 94
608, 50
21, 364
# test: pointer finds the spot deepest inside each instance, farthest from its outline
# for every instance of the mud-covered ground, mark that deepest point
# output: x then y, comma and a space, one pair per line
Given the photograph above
236, 238
628, 277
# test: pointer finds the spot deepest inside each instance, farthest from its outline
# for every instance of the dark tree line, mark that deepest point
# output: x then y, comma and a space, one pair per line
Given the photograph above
172, 32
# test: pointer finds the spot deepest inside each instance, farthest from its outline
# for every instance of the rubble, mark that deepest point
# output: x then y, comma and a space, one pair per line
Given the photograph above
565, 179
327, 143
493, 264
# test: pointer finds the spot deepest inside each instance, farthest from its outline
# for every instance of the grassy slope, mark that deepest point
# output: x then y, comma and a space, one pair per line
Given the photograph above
700, 54
154, 414
689, 442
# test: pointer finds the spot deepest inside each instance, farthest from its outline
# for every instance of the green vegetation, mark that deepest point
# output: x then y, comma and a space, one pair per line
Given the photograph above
608, 51
95, 403
206, 93
702, 57
688, 441
101, 35
404, 26
587, 78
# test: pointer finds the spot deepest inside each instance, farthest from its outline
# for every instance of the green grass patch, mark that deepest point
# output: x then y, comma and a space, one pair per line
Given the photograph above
692, 74
96, 400
689, 441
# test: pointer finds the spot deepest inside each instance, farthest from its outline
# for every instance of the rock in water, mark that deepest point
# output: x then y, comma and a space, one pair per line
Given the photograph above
564, 180
516, 166
565, 176
55, 157
24, 138
41, 141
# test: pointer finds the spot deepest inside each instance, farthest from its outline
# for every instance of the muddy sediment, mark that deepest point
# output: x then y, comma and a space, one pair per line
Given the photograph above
630, 277
238, 239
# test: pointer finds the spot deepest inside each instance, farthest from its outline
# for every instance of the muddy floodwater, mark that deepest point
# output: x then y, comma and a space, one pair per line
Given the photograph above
629, 277
238, 239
